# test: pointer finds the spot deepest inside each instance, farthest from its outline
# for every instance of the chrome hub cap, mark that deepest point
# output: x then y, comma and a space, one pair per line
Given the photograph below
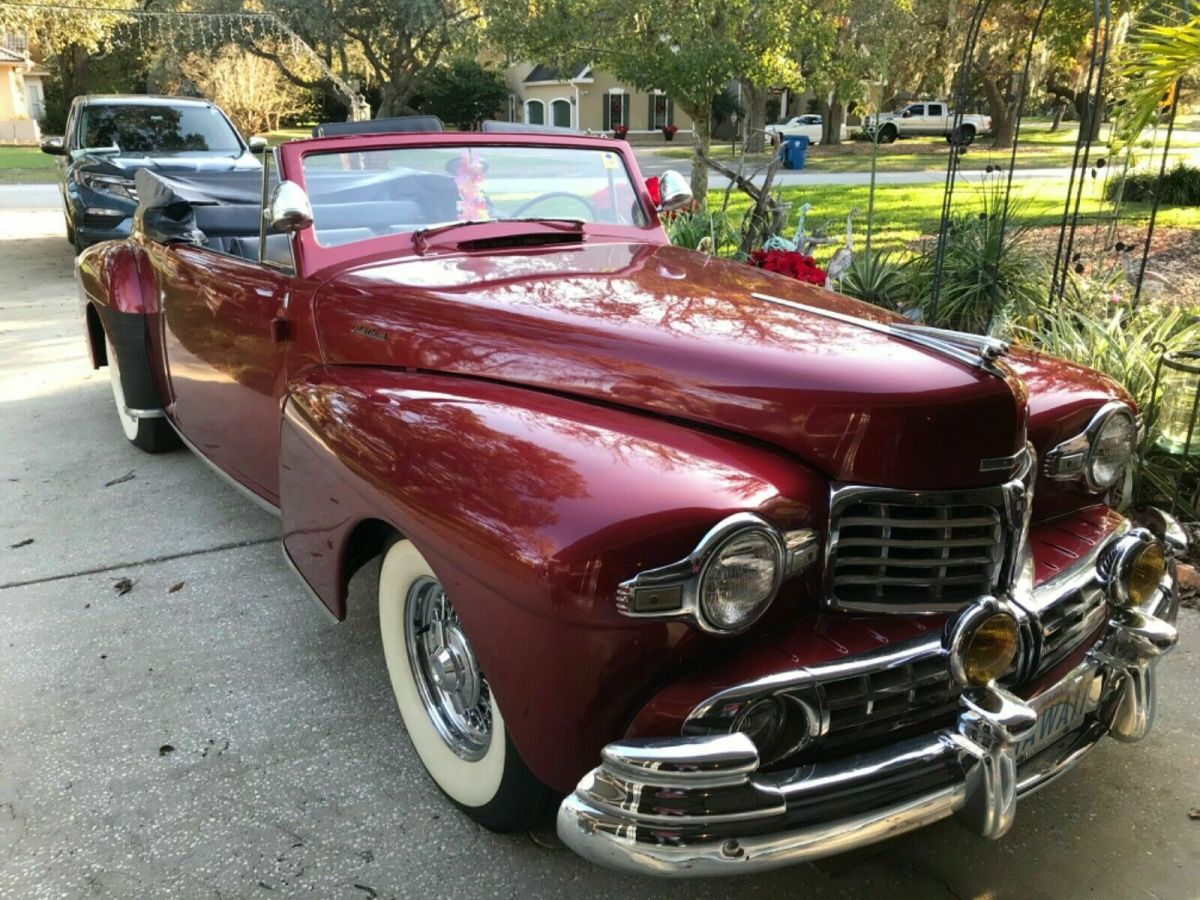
453, 690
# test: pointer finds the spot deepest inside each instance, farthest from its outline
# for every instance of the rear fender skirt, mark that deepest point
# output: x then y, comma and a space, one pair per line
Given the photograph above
117, 286
531, 508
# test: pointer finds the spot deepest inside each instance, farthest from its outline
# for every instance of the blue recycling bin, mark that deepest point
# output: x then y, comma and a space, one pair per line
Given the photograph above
795, 151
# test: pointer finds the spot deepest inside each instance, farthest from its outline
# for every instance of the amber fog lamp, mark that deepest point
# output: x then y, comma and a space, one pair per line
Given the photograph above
984, 643
1133, 567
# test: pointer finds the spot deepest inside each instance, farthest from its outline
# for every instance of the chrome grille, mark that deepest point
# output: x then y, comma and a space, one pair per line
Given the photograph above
1069, 620
887, 553
876, 703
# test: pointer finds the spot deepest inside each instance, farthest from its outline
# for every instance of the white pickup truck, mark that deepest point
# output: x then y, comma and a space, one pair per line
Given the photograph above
926, 117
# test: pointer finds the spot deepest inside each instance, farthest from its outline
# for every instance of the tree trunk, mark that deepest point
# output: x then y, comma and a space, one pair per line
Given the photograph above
757, 120
1003, 113
702, 137
832, 121
1060, 110
73, 65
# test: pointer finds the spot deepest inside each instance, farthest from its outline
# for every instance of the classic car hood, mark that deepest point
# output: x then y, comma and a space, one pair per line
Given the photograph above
677, 333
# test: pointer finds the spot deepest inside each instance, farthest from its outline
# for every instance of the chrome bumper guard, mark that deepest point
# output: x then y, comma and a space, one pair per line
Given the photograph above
696, 806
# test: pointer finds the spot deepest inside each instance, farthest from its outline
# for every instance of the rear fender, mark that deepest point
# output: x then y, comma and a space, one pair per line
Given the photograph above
531, 508
119, 297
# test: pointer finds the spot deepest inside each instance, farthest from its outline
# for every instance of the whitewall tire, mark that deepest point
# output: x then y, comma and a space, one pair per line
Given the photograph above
453, 720
154, 435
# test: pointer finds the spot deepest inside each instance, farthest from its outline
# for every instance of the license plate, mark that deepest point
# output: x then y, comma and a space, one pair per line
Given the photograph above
1061, 710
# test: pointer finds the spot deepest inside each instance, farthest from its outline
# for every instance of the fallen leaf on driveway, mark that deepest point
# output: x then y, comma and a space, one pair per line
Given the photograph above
165, 749
128, 476
19, 544
122, 586
1194, 813
176, 587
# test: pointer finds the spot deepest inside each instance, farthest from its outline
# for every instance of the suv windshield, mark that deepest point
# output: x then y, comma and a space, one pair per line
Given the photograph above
158, 129
368, 193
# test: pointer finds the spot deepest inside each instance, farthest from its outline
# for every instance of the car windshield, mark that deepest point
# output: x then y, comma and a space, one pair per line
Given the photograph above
368, 193
133, 128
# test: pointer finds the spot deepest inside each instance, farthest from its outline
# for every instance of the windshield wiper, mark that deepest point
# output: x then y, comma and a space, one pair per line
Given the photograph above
422, 236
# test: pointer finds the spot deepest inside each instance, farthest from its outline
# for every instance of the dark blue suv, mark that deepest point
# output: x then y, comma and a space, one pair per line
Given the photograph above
108, 138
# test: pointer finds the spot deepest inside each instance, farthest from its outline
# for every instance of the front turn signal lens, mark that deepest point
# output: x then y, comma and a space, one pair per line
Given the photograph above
1145, 572
989, 649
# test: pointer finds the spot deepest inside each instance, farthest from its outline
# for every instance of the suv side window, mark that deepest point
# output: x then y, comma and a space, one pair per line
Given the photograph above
917, 109
935, 109
70, 138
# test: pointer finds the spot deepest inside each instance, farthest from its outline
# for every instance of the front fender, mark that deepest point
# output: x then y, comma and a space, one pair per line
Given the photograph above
531, 508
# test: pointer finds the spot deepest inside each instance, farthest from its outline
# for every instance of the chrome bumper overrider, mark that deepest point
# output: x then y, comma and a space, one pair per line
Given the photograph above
693, 806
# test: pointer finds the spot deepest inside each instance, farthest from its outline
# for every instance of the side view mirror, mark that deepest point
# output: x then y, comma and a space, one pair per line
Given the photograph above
258, 144
289, 210
54, 146
906, 114
674, 191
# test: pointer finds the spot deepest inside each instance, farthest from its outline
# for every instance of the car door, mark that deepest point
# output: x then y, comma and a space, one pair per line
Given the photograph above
910, 121
935, 119
225, 356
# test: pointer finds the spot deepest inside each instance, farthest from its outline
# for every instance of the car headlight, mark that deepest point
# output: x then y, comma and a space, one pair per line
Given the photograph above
1112, 446
1132, 568
1101, 452
740, 578
983, 642
108, 184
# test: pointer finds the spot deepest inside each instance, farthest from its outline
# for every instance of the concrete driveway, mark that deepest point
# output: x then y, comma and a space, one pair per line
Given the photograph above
206, 734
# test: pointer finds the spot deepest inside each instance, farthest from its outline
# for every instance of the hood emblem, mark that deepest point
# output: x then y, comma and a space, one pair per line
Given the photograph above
972, 350
368, 331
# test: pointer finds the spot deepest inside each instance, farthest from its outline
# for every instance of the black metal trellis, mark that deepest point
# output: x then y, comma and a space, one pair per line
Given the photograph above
1090, 122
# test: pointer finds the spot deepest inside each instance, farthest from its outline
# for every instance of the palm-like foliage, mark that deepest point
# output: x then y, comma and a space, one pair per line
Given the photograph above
877, 278
1161, 55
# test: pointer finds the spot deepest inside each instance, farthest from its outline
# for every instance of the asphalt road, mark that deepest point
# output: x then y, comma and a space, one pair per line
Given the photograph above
207, 734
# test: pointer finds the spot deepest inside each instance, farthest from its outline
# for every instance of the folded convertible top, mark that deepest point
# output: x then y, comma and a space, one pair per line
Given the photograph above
167, 203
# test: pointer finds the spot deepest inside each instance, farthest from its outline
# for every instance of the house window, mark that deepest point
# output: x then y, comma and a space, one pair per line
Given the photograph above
662, 112
535, 112
560, 113
616, 110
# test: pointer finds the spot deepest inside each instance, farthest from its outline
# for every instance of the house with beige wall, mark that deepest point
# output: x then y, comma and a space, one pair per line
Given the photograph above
21, 96
587, 99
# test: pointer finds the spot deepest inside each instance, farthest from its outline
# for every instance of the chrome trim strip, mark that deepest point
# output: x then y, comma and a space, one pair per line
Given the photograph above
144, 413
262, 503
308, 591
971, 350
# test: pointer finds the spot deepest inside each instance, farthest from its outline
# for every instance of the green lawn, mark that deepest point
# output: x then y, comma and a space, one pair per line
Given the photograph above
25, 165
905, 213
1038, 148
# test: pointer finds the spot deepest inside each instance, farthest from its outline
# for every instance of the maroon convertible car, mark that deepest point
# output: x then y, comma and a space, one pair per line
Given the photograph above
750, 572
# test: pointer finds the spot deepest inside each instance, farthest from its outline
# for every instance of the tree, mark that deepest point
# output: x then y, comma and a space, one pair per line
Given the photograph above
465, 93
250, 89
690, 49
395, 44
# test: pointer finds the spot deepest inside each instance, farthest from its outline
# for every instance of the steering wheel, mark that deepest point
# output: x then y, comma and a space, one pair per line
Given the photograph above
555, 195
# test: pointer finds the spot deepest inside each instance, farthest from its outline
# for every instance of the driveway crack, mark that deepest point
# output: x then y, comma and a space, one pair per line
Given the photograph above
168, 557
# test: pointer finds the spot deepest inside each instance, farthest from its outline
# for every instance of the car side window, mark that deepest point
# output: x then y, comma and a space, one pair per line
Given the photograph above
935, 109
274, 250
917, 110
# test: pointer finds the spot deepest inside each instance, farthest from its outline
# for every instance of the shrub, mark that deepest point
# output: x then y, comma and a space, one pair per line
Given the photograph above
1180, 186
707, 230
989, 280
465, 93
876, 278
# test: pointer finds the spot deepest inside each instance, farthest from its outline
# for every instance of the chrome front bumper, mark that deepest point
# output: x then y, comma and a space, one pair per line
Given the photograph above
695, 806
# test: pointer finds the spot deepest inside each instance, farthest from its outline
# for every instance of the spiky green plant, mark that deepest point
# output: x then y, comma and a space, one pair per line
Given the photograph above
1160, 55
877, 278
707, 230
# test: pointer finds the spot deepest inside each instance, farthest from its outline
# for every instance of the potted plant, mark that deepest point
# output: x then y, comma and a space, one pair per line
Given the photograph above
669, 131
620, 131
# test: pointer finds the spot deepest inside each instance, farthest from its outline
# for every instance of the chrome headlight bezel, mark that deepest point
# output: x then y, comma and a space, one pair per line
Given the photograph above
1115, 566
674, 592
1075, 457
